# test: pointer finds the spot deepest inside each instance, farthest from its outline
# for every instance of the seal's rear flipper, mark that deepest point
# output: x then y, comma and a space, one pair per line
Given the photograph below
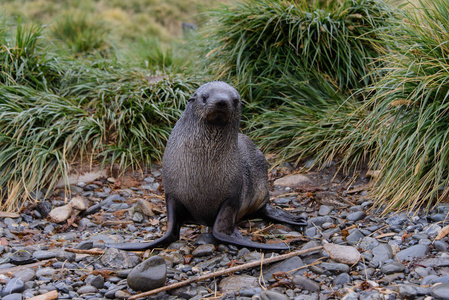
172, 235
224, 230
281, 216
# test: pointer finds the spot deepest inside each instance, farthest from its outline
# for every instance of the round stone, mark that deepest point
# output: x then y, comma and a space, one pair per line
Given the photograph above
148, 275
343, 254
441, 291
15, 285
356, 216
416, 251
203, 250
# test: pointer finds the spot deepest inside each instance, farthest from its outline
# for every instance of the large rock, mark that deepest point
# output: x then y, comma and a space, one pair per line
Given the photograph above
295, 180
148, 275
343, 254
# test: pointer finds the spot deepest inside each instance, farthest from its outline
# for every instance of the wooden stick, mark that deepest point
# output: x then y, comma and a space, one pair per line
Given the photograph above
18, 268
87, 251
225, 272
52, 295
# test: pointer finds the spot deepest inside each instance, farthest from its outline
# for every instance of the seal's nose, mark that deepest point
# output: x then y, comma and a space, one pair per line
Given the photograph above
221, 103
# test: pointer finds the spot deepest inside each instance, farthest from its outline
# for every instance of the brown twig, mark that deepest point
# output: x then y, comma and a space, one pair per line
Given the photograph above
112, 222
81, 251
18, 268
225, 272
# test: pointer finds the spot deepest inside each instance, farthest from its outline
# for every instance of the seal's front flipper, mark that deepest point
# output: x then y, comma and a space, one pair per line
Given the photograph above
172, 235
225, 230
281, 216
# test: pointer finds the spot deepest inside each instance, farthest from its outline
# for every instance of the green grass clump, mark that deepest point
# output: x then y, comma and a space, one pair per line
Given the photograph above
81, 33
409, 121
264, 39
82, 110
20, 61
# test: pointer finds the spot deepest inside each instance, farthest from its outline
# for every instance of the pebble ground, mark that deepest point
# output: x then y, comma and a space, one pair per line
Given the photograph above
400, 255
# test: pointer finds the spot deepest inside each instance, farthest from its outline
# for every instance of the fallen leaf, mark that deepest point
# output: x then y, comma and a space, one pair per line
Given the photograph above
443, 232
4, 241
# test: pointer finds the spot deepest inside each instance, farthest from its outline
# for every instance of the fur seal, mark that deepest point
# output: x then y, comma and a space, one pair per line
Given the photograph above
212, 174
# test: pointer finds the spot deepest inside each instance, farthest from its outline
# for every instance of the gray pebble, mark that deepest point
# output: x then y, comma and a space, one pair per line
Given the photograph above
13, 297
95, 280
45, 272
356, 216
272, 295
440, 291
249, 292
382, 252
432, 230
440, 246
284, 266
391, 277
392, 267
87, 289
354, 237
25, 275
14, 285
325, 210
318, 221
306, 283
368, 243
416, 251
203, 250
429, 279
441, 217
396, 220
138, 217
310, 232
335, 267
119, 259
351, 296
342, 279
407, 291
85, 245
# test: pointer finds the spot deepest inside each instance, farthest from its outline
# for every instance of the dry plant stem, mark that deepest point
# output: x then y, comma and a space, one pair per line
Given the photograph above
52, 295
225, 272
18, 268
81, 251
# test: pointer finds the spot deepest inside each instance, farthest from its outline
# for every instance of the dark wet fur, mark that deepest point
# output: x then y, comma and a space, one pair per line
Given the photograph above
212, 174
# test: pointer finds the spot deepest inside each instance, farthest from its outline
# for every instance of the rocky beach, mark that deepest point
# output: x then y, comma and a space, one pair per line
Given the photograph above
56, 249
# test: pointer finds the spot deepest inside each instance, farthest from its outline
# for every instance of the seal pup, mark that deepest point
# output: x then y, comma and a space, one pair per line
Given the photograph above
212, 174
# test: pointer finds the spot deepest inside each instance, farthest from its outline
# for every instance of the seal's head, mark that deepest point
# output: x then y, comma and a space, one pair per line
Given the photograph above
217, 103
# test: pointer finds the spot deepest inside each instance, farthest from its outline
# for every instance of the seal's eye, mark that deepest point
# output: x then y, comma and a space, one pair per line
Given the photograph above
204, 98
235, 101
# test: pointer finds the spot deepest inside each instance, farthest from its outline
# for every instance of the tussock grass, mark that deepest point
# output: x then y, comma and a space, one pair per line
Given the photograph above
411, 112
81, 33
56, 110
264, 39
302, 67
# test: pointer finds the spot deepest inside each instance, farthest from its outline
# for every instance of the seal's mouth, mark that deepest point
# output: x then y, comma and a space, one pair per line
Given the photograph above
218, 117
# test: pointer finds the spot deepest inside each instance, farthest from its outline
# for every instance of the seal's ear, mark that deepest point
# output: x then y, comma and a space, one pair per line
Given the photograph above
191, 99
